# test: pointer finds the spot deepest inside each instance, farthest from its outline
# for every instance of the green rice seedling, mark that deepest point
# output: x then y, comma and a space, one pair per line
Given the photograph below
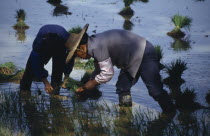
60, 10
88, 94
20, 15
127, 3
175, 71
208, 97
187, 100
89, 65
181, 44
180, 22
176, 68
76, 30
159, 52
7, 68
79, 63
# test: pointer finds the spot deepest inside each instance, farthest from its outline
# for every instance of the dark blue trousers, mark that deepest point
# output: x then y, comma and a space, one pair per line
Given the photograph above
149, 72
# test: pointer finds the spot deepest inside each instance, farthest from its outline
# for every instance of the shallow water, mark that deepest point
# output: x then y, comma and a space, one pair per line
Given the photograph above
151, 20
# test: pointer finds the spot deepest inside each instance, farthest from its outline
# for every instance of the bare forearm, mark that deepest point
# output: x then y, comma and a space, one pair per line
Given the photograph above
48, 87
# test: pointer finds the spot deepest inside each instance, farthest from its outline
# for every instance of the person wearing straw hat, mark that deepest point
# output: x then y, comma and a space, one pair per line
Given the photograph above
129, 52
50, 42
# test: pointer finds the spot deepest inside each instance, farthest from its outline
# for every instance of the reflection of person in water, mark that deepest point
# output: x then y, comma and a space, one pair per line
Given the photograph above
134, 55
35, 116
61, 123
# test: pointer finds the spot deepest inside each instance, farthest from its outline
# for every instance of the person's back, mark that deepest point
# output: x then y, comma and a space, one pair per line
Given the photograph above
125, 49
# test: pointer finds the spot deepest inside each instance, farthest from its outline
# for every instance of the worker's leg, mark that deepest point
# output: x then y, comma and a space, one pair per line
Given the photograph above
123, 86
149, 71
26, 81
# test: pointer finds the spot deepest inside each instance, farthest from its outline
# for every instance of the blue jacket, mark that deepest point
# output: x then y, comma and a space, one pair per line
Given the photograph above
40, 58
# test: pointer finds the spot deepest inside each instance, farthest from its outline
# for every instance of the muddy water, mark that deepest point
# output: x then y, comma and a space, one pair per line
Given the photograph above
151, 20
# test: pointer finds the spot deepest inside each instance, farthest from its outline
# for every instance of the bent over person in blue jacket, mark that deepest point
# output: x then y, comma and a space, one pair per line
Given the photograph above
50, 42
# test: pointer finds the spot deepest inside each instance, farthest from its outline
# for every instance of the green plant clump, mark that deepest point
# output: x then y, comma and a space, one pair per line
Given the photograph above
180, 22
159, 52
7, 68
175, 71
89, 65
20, 17
79, 64
176, 68
186, 100
9, 72
76, 30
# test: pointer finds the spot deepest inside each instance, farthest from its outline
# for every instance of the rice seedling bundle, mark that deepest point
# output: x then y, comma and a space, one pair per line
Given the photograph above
180, 22
89, 65
176, 68
76, 30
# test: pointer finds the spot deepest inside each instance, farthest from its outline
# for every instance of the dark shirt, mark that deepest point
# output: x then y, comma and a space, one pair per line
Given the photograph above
43, 47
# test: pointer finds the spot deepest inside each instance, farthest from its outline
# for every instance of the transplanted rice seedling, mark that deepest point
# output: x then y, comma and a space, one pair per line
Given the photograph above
9, 72
175, 71
7, 68
74, 84
60, 10
159, 52
79, 63
181, 44
180, 22
176, 68
20, 17
89, 65
127, 11
76, 30
186, 100
208, 97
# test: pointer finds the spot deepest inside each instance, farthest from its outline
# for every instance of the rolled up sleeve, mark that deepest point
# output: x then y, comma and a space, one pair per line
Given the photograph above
106, 71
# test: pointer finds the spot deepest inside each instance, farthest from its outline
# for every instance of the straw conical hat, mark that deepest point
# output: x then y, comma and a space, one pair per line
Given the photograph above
73, 42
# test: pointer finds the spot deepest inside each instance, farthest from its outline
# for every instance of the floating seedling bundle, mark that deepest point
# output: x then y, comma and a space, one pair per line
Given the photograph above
179, 22
9, 72
20, 17
74, 84
159, 52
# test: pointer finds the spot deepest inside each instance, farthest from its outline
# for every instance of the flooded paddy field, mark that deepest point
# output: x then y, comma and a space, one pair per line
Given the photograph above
151, 19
